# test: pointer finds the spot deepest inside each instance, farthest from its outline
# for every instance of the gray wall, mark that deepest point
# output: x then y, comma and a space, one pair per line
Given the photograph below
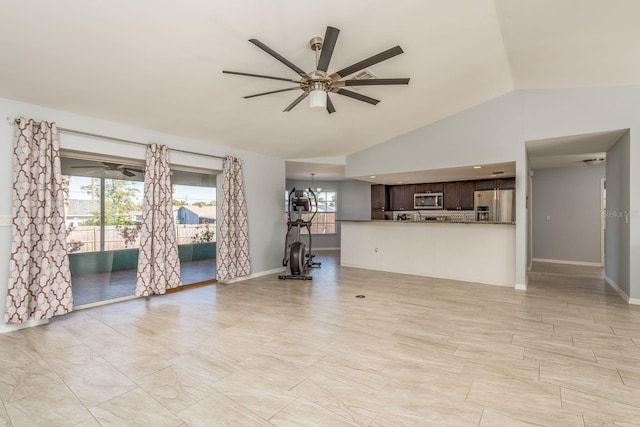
566, 213
355, 199
617, 243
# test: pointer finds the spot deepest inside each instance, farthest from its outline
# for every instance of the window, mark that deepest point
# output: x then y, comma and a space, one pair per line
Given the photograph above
103, 205
325, 220
103, 213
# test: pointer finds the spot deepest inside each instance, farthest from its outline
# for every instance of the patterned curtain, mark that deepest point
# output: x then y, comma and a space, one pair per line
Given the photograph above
233, 242
158, 262
39, 276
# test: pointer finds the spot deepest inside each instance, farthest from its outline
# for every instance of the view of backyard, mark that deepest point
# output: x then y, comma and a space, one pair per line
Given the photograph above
115, 223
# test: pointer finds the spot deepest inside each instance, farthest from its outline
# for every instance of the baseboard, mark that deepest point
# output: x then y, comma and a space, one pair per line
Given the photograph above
253, 276
562, 261
10, 327
521, 287
105, 302
623, 294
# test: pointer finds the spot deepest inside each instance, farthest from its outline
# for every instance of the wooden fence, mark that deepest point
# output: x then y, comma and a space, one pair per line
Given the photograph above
85, 238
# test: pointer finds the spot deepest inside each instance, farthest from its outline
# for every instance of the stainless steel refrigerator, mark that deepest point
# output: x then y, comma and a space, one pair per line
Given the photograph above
495, 205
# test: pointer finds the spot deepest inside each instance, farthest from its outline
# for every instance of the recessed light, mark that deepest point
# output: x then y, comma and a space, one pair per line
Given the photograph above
399, 182
493, 175
477, 167
372, 176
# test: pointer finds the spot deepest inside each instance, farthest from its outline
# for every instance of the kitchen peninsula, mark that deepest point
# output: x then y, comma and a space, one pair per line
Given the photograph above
454, 241
468, 251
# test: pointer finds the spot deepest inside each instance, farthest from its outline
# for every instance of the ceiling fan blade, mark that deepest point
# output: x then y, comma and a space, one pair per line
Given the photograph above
127, 172
135, 170
382, 56
376, 82
260, 76
279, 57
329, 43
296, 102
270, 92
357, 96
330, 107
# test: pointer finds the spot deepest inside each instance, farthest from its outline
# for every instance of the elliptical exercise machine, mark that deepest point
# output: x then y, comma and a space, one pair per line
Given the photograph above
297, 257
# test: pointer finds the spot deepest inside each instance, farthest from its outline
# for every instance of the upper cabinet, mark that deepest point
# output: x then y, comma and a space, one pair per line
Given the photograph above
379, 196
379, 201
459, 195
500, 184
486, 184
401, 197
506, 184
437, 187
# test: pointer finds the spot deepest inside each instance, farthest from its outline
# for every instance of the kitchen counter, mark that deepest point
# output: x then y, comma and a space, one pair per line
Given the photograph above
479, 252
388, 221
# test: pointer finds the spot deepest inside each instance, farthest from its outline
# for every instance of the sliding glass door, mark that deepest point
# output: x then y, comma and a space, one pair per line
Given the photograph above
103, 210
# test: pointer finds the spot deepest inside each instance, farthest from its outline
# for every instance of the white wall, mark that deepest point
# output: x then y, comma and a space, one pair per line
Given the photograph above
264, 176
617, 236
495, 131
566, 214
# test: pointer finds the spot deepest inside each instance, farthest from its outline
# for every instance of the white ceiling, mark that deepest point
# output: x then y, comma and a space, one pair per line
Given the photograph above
568, 151
158, 64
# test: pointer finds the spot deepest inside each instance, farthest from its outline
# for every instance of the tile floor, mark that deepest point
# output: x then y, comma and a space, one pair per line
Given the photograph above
264, 352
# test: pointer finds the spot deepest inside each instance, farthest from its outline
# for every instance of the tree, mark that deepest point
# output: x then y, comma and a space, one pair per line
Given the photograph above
176, 202
119, 200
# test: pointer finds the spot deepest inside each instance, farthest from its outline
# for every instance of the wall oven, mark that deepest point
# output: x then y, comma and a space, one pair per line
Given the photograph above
428, 201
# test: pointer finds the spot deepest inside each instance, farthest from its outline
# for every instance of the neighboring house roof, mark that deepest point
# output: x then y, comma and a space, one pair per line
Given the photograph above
202, 212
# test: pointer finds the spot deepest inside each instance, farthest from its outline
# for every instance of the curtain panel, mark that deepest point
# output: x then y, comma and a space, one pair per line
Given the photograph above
233, 242
158, 262
39, 276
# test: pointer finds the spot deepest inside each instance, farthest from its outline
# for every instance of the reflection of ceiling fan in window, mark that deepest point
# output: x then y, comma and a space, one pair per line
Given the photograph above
112, 169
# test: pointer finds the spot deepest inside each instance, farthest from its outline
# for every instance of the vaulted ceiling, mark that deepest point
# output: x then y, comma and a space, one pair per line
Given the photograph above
158, 64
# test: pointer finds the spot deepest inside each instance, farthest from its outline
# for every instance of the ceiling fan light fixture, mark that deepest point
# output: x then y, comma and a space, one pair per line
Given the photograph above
318, 95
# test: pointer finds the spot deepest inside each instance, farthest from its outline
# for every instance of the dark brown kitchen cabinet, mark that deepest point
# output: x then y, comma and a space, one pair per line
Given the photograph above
437, 187
379, 196
379, 201
506, 183
401, 197
486, 184
500, 183
459, 195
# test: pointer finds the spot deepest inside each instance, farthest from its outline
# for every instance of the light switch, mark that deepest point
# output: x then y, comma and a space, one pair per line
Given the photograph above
548, 217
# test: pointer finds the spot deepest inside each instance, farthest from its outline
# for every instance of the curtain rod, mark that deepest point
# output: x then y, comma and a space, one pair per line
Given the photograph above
111, 138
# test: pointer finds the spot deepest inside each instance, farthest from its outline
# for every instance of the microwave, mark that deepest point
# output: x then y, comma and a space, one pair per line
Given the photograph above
428, 201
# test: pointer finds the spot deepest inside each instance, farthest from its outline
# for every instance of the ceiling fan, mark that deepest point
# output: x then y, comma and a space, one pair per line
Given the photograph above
112, 167
318, 83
